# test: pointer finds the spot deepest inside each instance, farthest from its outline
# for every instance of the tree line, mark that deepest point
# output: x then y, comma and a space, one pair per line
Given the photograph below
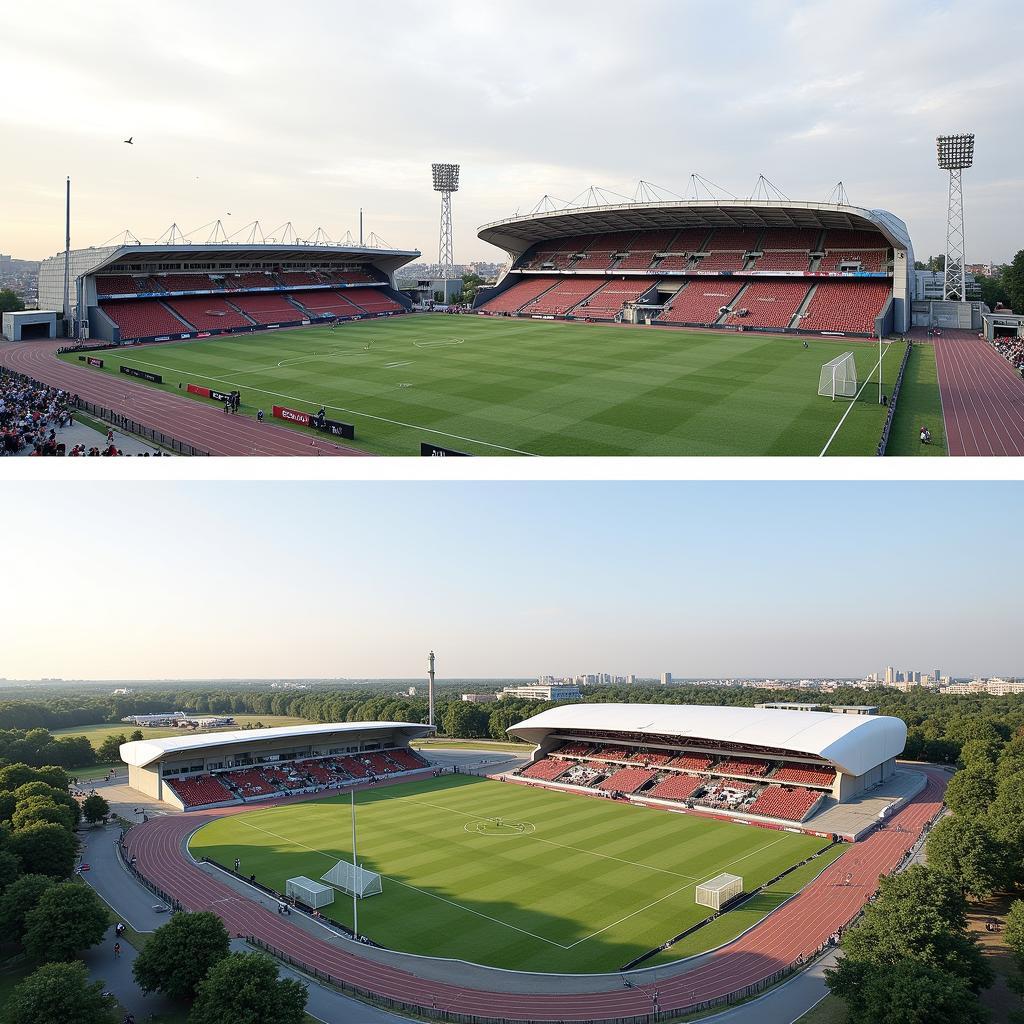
912, 957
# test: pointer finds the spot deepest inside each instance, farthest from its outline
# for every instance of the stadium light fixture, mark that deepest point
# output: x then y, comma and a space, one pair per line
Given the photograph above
446, 177
955, 154
446, 181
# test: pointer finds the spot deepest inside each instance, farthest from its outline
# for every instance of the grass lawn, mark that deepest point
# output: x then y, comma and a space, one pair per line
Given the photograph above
590, 885
497, 745
919, 405
831, 1010
96, 734
504, 387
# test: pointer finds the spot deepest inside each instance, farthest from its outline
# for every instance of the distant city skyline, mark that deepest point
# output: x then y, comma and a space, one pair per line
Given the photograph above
126, 581
860, 96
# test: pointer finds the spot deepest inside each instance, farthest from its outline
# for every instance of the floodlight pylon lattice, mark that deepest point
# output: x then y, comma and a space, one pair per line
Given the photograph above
955, 153
446, 181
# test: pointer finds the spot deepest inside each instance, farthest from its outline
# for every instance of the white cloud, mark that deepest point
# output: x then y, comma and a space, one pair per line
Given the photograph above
311, 113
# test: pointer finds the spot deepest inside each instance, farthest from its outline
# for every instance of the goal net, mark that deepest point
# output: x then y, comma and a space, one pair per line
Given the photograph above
717, 891
839, 377
306, 891
353, 879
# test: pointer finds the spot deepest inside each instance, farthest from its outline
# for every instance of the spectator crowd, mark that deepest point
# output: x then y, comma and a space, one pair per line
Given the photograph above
1012, 350
31, 414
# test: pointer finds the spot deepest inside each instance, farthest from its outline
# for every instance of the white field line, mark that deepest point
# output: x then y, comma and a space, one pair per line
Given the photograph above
390, 878
561, 846
338, 408
667, 896
854, 402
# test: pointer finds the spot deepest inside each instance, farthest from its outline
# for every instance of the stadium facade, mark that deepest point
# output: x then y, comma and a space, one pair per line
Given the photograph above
759, 764
761, 265
135, 292
237, 766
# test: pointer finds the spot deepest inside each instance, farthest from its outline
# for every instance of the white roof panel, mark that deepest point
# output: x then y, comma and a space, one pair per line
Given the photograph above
853, 743
143, 752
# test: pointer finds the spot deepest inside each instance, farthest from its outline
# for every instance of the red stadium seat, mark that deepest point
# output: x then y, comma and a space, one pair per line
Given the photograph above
144, 318
845, 306
200, 790
546, 769
608, 300
699, 302
771, 303
209, 312
742, 766
326, 302
269, 308
558, 300
373, 300
780, 802
812, 774
628, 780
676, 787
518, 295
691, 762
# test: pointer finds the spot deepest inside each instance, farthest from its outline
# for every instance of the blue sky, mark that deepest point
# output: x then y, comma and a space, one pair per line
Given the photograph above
308, 113
508, 579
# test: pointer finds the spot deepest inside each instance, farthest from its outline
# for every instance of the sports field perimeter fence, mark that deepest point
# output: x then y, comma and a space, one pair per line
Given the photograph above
130, 426
887, 426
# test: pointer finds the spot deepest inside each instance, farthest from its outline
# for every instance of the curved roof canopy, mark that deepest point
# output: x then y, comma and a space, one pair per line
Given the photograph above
853, 743
516, 234
144, 752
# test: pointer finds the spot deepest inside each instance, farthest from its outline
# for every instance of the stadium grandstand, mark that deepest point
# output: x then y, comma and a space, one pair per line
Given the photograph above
241, 766
766, 765
762, 265
134, 292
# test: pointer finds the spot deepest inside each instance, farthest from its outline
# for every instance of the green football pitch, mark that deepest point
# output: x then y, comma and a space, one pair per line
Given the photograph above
526, 387
564, 883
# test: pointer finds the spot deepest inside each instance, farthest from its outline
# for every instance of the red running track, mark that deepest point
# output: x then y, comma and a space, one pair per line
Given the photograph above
797, 929
203, 427
982, 397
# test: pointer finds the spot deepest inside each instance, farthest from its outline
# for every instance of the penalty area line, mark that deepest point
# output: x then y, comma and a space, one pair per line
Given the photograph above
407, 885
856, 398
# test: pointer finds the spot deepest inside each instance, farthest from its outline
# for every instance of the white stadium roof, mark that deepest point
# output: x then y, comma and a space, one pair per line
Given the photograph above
853, 743
516, 234
144, 752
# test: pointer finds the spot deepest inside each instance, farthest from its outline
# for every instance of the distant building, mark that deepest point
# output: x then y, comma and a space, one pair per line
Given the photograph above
544, 691
479, 698
123, 691
631, 679
165, 719
666, 678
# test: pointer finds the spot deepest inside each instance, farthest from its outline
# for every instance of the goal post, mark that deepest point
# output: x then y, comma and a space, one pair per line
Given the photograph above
306, 891
718, 891
353, 879
839, 377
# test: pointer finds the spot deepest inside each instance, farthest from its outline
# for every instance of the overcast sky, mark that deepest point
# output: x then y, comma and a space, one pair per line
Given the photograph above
308, 111
209, 580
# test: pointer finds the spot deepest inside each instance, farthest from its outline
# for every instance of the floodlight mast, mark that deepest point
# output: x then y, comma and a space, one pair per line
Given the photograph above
955, 154
446, 181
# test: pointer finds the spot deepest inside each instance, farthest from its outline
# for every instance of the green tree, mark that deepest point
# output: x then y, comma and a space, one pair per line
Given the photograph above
59, 994
20, 897
970, 793
463, 719
1013, 282
41, 808
180, 954
10, 301
993, 290
68, 918
110, 748
243, 988
1014, 931
95, 808
14, 775
136, 735
909, 992
968, 852
919, 914
45, 848
9, 869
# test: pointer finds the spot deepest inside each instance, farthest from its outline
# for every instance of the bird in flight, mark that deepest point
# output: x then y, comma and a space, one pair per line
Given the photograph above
128, 141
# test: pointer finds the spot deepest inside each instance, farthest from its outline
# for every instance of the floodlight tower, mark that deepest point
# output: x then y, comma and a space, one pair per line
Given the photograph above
430, 689
955, 154
446, 181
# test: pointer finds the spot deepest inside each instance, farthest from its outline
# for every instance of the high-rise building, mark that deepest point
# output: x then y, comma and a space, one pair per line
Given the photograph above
890, 675
666, 678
